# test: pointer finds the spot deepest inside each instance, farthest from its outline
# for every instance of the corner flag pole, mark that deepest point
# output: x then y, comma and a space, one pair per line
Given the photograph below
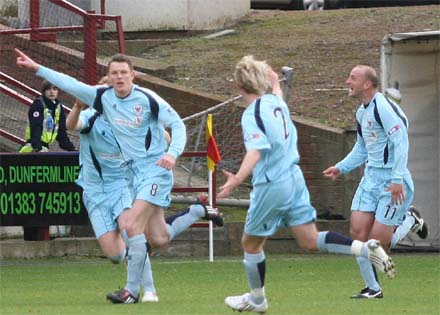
213, 157
211, 228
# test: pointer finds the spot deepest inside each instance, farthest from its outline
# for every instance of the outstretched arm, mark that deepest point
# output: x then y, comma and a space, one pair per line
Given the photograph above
77, 89
275, 83
73, 122
25, 61
331, 172
234, 180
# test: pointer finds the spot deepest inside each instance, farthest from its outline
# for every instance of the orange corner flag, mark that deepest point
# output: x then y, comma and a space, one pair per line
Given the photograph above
213, 155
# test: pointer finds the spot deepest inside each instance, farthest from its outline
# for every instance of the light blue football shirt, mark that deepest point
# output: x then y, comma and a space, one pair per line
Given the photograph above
99, 155
137, 120
267, 127
382, 139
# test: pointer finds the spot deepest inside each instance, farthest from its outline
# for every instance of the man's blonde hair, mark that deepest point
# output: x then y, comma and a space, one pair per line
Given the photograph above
104, 81
252, 75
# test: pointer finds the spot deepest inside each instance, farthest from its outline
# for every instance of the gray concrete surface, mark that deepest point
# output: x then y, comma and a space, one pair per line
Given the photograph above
193, 242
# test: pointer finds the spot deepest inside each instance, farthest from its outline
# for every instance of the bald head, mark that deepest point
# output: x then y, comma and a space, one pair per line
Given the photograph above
369, 74
362, 83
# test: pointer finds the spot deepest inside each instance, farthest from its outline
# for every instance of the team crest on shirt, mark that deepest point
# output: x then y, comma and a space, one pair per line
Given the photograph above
370, 124
138, 109
36, 114
138, 120
251, 137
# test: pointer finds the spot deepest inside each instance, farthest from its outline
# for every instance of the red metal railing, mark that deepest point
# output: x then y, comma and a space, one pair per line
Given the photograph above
12, 137
91, 20
15, 95
202, 154
21, 98
91, 23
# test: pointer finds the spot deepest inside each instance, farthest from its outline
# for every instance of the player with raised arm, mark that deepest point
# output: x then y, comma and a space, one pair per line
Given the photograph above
279, 197
136, 117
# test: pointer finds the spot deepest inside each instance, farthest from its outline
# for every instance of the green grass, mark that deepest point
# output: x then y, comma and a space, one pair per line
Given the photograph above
300, 284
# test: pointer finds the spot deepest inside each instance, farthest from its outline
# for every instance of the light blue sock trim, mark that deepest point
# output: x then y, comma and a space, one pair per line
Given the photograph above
147, 281
255, 267
170, 231
137, 239
137, 255
364, 251
367, 273
394, 239
255, 258
197, 211
320, 242
124, 236
184, 221
333, 242
402, 230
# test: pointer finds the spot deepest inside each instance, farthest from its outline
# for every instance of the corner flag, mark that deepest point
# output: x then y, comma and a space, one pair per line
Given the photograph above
213, 155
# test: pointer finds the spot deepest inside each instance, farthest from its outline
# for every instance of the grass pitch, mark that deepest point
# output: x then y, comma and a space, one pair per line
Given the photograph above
298, 284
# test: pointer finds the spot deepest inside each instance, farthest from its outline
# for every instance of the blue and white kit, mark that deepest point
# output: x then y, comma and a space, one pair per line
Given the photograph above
137, 121
382, 145
102, 177
279, 197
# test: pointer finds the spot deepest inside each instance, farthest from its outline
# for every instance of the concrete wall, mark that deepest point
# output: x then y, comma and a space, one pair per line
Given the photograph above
321, 146
192, 242
146, 15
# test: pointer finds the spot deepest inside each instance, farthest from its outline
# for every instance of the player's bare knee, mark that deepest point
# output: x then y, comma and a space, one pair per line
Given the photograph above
130, 223
307, 244
158, 241
117, 258
357, 234
123, 222
251, 247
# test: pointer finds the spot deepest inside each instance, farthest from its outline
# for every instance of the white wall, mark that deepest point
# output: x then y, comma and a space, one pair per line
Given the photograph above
145, 15
51, 14
414, 63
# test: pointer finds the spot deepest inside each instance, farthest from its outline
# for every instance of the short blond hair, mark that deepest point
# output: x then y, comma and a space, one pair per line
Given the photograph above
104, 81
252, 75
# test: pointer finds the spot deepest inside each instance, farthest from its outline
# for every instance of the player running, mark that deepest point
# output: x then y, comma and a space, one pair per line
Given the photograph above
386, 190
136, 117
279, 197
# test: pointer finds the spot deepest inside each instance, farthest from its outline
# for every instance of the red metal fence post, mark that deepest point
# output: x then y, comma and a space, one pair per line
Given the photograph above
90, 66
34, 21
120, 32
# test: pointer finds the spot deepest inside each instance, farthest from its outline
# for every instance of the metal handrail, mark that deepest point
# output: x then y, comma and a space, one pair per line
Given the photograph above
12, 137
21, 98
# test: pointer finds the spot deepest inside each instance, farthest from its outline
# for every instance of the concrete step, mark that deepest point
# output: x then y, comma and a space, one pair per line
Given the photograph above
193, 242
